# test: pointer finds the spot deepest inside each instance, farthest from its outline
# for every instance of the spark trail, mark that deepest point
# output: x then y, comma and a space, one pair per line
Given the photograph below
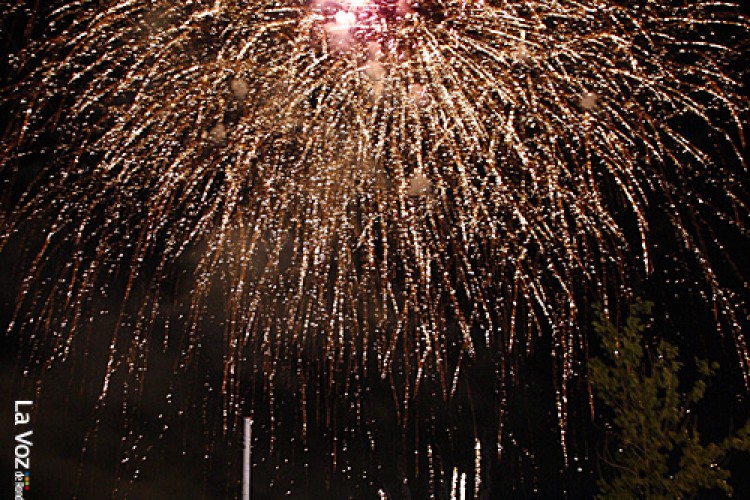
376, 189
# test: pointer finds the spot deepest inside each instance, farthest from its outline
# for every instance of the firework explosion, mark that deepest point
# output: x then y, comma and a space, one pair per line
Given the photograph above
376, 190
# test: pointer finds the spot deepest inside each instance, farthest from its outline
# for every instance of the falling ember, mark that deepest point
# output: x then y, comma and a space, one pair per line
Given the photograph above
364, 191
419, 185
588, 101
218, 133
240, 89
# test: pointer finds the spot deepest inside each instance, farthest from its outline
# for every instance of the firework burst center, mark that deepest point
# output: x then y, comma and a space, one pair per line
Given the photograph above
350, 21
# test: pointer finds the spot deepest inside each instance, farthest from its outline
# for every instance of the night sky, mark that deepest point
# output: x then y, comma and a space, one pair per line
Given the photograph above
160, 433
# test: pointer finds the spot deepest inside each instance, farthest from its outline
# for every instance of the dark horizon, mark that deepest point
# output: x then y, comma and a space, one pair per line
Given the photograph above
161, 432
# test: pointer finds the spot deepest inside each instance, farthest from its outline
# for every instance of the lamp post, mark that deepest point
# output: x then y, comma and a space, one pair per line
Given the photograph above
246, 459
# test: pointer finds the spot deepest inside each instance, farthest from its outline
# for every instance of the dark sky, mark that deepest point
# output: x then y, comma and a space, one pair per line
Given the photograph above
172, 463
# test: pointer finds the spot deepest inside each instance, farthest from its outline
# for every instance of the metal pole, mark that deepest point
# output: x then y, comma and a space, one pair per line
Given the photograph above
246, 459
454, 484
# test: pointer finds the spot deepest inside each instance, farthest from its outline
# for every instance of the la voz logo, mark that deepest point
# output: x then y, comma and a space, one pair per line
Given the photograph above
22, 450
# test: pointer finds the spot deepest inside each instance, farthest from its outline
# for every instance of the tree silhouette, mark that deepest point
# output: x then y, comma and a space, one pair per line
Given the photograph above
653, 447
